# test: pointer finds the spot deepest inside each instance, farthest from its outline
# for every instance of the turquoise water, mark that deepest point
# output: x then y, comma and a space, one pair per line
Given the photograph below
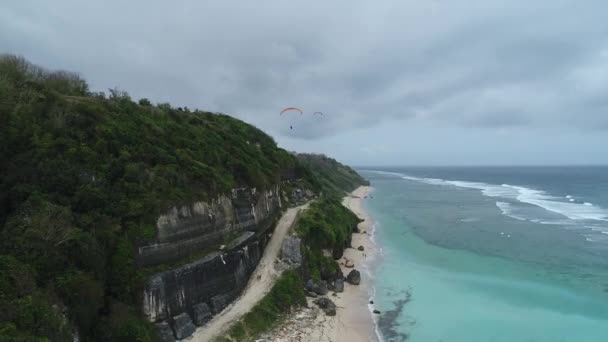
477, 269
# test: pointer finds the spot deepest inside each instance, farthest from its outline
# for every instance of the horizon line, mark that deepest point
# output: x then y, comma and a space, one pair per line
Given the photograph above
479, 165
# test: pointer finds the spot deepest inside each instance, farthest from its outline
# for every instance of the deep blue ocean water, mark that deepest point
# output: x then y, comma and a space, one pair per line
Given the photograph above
491, 254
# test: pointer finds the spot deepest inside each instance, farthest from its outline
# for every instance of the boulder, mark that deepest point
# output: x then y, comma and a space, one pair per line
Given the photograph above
319, 288
183, 326
311, 294
326, 305
219, 303
201, 314
322, 288
354, 277
349, 263
338, 285
371, 302
331, 285
377, 312
290, 250
337, 253
330, 272
164, 332
361, 248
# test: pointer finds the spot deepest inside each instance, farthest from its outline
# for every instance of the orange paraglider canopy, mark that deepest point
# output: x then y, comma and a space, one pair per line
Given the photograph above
292, 108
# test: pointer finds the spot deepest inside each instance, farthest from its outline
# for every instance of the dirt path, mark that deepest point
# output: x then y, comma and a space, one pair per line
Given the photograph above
260, 283
353, 321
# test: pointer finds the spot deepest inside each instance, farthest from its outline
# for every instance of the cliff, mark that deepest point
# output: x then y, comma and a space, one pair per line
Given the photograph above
188, 229
99, 192
201, 289
113, 212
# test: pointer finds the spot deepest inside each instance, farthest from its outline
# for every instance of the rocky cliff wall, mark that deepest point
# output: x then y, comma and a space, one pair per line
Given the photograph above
191, 294
192, 228
213, 281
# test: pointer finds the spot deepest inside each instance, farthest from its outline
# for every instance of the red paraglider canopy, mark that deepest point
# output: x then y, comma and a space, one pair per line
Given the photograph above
292, 108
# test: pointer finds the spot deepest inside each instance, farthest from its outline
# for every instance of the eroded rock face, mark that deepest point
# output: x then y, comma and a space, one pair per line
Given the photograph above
164, 333
187, 229
201, 314
220, 302
222, 274
354, 277
246, 213
183, 326
291, 250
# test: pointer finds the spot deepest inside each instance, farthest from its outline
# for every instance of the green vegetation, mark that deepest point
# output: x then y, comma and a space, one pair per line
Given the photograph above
286, 294
326, 225
334, 177
83, 176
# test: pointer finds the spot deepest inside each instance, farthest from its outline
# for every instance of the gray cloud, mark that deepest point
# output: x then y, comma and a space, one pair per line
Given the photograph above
538, 66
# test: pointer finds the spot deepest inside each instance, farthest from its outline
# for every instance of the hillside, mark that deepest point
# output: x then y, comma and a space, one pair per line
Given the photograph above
332, 175
84, 177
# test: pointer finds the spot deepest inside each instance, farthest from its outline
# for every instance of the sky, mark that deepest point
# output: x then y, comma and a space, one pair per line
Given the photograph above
426, 82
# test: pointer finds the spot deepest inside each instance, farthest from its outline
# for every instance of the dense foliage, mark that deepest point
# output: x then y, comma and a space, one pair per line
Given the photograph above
287, 293
333, 176
82, 178
326, 225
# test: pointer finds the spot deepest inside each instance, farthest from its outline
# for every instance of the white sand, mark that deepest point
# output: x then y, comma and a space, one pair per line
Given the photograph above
353, 321
260, 283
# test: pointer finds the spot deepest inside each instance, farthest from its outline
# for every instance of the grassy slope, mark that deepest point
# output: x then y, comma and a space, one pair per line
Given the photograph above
333, 176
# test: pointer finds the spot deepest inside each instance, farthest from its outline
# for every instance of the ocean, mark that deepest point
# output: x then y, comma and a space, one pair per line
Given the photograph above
490, 253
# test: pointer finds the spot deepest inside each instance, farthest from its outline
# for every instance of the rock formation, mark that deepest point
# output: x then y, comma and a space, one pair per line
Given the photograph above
326, 305
354, 277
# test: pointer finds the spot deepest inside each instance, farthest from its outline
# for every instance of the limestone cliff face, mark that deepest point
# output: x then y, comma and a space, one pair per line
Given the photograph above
202, 288
214, 280
188, 229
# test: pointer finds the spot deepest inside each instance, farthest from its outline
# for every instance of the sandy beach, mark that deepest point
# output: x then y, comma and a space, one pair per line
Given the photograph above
353, 321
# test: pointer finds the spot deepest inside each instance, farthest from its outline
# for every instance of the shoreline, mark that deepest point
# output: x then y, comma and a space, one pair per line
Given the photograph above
354, 320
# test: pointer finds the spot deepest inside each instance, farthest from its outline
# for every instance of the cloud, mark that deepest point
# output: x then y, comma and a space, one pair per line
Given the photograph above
501, 64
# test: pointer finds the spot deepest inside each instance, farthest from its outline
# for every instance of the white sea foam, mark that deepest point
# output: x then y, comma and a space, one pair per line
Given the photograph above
507, 210
571, 210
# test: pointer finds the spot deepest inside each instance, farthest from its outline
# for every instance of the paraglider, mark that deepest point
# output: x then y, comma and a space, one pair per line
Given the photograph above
318, 115
292, 108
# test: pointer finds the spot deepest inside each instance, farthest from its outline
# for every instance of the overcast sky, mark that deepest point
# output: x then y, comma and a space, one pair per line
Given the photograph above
431, 82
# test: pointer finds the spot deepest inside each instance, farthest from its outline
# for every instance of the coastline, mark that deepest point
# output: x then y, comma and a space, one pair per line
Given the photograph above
353, 320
